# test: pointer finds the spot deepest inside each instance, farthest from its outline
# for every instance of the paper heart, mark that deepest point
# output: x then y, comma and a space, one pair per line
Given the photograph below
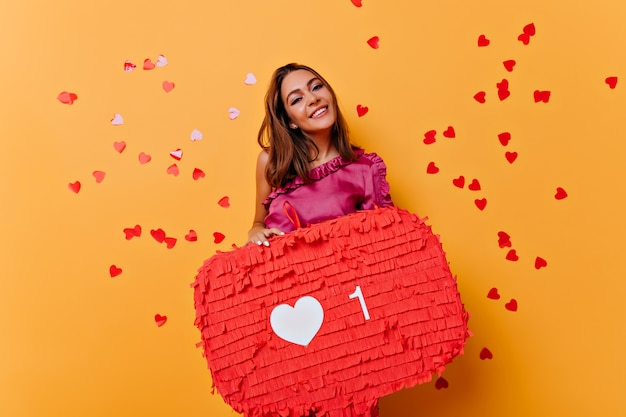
429, 137
540, 262
483, 41
144, 158
114, 271
117, 120
541, 96
192, 236
170, 242
357, 3
129, 66
524, 38
161, 61
432, 168
67, 98
119, 146
197, 174
99, 176
361, 110
459, 182
158, 235
511, 305
485, 354
560, 193
441, 383
173, 170
298, 324
132, 232
504, 138
449, 132
480, 97
529, 29
224, 202
148, 64
177, 154
74, 186
510, 156
474, 185
512, 255
168, 86
503, 89
250, 79
218, 237
233, 113
373, 42
196, 135
509, 64
481, 203
611, 81
160, 320
493, 294
504, 240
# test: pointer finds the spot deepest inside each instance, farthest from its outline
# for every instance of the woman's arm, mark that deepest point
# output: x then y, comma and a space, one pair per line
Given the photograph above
259, 233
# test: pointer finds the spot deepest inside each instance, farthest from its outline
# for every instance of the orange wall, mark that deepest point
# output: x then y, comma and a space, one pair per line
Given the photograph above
76, 342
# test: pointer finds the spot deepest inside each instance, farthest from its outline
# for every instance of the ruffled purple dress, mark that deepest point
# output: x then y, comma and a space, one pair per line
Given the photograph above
337, 188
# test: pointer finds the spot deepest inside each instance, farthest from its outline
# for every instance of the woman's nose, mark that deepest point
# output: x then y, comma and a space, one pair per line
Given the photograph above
313, 99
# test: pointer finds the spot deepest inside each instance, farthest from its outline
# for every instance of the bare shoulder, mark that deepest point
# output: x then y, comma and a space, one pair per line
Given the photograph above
263, 158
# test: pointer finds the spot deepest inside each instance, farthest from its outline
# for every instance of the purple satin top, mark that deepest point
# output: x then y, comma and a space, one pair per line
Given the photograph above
338, 187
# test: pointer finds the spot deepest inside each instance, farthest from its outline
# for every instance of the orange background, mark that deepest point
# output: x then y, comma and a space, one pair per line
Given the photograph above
76, 342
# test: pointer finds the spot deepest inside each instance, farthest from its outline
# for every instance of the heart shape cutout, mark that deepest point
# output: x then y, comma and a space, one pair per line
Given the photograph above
298, 324
197, 174
67, 98
511, 305
161, 61
512, 255
480, 97
509, 64
541, 96
74, 186
611, 81
504, 138
373, 42
119, 146
132, 232
148, 64
486, 354
459, 182
224, 202
540, 262
429, 137
250, 79
196, 135
99, 176
493, 294
361, 110
114, 271
560, 193
144, 158
474, 185
233, 113
218, 237
173, 170
177, 154
192, 236
481, 203
511, 156
483, 41
504, 240
449, 132
168, 86
432, 168
117, 120
160, 320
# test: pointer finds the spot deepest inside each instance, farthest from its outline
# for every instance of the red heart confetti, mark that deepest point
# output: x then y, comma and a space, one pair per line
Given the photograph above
529, 29
192, 236
99, 176
541, 96
611, 81
511, 156
483, 41
503, 89
504, 138
74, 186
512, 255
170, 242
441, 383
540, 262
511, 305
449, 132
485, 354
459, 182
373, 42
114, 271
158, 235
129, 66
432, 168
223, 202
177, 154
132, 232
429, 137
148, 64
144, 158
357, 3
509, 64
504, 240
524, 38
119, 146
474, 185
493, 294
361, 110
560, 193
160, 320
67, 98
481, 203
173, 170
480, 97
168, 86
197, 174
218, 237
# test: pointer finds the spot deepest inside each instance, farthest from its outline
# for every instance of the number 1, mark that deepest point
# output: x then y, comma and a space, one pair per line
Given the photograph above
359, 294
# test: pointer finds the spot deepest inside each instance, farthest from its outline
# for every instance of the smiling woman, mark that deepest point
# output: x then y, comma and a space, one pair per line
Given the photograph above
308, 170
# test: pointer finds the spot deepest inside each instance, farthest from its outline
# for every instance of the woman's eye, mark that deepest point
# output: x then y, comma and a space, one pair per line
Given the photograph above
317, 87
296, 100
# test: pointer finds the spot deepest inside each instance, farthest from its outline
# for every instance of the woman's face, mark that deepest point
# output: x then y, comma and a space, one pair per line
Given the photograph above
308, 102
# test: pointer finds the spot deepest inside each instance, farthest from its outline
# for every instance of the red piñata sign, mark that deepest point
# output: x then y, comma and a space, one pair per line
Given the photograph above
331, 317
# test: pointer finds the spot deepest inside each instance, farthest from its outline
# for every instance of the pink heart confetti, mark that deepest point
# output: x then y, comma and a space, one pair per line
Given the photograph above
233, 113
148, 64
117, 120
119, 146
161, 61
144, 158
250, 79
99, 176
173, 170
196, 135
168, 86
67, 98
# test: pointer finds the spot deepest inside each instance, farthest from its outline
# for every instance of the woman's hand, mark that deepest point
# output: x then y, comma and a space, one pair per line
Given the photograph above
260, 235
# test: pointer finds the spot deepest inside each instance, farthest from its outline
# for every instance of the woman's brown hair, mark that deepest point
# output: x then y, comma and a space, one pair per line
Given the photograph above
289, 149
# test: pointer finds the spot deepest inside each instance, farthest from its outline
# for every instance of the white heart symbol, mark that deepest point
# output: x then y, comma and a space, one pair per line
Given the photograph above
117, 120
250, 79
196, 135
233, 113
161, 61
177, 154
298, 324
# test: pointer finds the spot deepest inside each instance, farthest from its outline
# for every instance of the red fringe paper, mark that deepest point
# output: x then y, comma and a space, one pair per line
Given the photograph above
417, 322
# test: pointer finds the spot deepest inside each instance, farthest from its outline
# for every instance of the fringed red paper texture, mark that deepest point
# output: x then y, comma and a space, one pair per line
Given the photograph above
407, 323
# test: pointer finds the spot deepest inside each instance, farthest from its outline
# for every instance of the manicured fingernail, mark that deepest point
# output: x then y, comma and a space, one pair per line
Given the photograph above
282, 233
266, 243
258, 242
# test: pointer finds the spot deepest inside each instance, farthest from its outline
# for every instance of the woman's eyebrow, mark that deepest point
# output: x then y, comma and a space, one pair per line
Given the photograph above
308, 84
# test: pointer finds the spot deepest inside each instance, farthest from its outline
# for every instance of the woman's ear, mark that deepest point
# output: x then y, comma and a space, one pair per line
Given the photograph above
293, 126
